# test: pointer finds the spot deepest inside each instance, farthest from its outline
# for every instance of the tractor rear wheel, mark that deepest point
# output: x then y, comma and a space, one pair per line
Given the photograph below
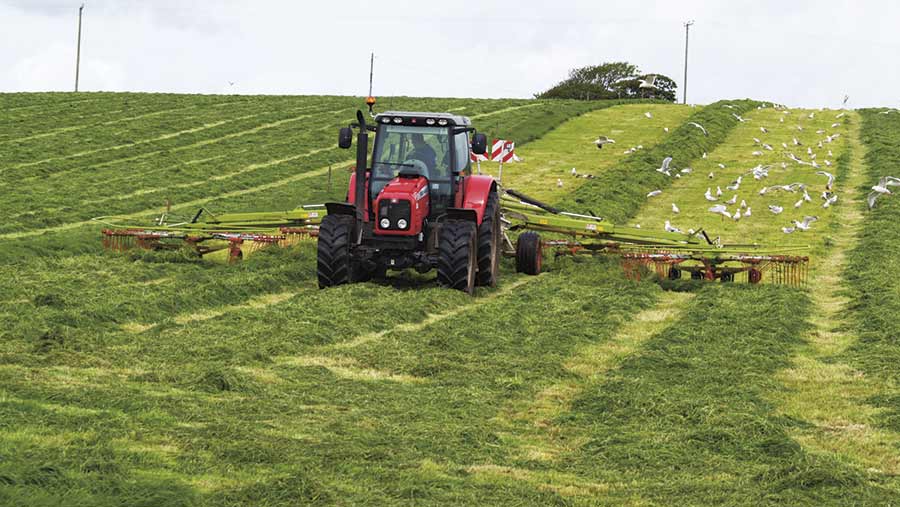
489, 243
458, 255
335, 265
529, 257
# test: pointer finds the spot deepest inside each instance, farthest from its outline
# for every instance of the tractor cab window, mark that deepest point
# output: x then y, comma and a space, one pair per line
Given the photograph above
461, 144
411, 149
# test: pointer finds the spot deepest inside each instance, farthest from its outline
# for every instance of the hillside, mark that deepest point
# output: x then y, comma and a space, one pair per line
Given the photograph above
160, 379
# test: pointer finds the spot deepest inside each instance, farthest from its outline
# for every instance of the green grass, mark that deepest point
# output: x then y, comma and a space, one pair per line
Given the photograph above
875, 292
157, 379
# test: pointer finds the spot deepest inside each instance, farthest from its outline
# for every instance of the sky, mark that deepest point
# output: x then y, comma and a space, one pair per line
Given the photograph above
797, 53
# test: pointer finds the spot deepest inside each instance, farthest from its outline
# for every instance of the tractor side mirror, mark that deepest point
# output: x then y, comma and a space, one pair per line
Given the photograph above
479, 144
345, 138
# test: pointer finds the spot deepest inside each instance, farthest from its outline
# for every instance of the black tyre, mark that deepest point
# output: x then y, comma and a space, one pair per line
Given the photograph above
726, 277
529, 257
458, 255
489, 243
335, 266
674, 273
754, 275
697, 275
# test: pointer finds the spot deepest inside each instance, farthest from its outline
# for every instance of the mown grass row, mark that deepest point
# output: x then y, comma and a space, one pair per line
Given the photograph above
686, 421
617, 194
875, 291
269, 406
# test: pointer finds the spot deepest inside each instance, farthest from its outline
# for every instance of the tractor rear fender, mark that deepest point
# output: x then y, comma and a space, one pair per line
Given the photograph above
340, 208
467, 214
476, 190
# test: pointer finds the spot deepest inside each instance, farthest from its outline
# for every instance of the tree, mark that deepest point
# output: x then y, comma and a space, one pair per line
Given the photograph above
609, 81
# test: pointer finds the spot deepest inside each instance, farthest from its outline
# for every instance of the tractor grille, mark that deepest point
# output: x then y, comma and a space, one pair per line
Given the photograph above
394, 211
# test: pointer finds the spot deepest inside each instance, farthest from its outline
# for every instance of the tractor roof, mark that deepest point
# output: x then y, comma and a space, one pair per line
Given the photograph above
452, 119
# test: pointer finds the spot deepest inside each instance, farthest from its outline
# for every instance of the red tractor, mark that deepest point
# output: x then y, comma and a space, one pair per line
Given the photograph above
416, 206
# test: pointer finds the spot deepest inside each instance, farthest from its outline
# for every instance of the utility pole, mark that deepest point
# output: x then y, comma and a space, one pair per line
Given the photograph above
687, 29
78, 52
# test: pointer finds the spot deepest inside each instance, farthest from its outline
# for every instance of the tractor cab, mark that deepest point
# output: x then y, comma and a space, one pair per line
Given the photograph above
433, 146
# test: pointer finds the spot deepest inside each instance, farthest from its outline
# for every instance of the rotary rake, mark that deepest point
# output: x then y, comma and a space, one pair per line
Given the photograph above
642, 253
240, 234
668, 255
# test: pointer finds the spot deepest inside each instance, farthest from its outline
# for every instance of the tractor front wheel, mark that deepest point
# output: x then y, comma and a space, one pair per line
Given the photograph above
335, 265
528, 253
489, 237
458, 255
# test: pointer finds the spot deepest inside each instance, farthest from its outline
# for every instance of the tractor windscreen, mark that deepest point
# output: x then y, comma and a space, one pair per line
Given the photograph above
410, 149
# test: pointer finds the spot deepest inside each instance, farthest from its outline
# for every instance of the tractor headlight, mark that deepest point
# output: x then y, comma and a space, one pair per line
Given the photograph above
385, 223
401, 224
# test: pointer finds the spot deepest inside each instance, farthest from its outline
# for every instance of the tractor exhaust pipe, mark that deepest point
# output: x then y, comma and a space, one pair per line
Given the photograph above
362, 152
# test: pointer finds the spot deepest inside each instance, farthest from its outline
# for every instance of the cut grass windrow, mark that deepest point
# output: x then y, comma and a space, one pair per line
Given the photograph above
871, 272
822, 389
685, 421
618, 194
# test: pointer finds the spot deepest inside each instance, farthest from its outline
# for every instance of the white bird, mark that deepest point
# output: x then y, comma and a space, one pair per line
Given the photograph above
664, 168
806, 196
787, 230
675, 209
784, 165
784, 145
665, 129
559, 183
721, 210
757, 153
686, 170
775, 209
732, 200
669, 228
756, 140
800, 128
768, 147
695, 124
648, 114
747, 212
704, 155
574, 172
811, 115
710, 175
601, 140
781, 119
820, 131
649, 83
764, 130
835, 125
830, 178
827, 163
797, 142
830, 154
738, 118
721, 166
839, 115
737, 215
830, 198
881, 189
654, 193
799, 203
804, 225
735, 184
709, 196
718, 191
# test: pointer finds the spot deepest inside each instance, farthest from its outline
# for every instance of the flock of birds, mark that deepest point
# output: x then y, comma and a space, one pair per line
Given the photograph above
737, 209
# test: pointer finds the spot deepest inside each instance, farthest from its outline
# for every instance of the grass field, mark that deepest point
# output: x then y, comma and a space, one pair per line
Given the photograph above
157, 379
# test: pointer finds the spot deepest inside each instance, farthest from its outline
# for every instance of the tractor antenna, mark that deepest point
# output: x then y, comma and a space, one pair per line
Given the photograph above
370, 100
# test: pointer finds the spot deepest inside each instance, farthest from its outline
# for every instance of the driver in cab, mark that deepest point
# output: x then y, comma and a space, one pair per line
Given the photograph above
423, 151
